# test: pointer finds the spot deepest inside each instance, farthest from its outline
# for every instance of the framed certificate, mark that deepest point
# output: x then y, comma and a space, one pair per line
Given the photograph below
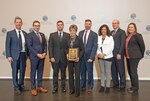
73, 54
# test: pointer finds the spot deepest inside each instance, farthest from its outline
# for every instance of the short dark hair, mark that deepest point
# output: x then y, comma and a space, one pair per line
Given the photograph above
73, 27
35, 21
134, 27
60, 21
17, 18
88, 20
107, 28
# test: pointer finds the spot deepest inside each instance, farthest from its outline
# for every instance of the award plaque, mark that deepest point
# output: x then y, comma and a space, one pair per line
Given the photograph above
73, 54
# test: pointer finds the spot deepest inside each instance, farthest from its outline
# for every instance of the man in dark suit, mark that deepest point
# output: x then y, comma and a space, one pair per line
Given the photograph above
37, 46
118, 68
16, 53
57, 45
90, 39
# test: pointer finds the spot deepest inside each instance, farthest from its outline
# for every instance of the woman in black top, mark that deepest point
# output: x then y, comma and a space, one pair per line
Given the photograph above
135, 48
74, 65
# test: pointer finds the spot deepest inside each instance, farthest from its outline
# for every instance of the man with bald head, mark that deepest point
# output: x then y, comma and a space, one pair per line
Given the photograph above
117, 68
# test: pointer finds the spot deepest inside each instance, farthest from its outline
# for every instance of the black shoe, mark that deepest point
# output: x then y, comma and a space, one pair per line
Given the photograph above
23, 89
54, 90
107, 90
122, 89
63, 89
130, 90
17, 91
71, 92
77, 95
102, 89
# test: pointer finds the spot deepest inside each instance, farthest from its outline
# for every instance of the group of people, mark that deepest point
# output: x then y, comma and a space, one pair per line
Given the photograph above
109, 47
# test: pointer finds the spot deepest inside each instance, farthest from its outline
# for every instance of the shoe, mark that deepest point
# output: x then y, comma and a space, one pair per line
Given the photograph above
107, 90
23, 89
89, 91
17, 91
102, 89
34, 92
77, 95
71, 92
54, 90
130, 90
42, 90
63, 89
122, 89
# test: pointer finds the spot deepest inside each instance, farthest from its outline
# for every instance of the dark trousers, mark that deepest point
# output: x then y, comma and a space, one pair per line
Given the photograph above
19, 66
37, 67
56, 66
118, 71
86, 67
74, 68
132, 70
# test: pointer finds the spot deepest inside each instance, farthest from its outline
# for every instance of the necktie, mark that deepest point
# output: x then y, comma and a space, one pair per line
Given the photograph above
20, 41
60, 34
113, 33
39, 38
85, 39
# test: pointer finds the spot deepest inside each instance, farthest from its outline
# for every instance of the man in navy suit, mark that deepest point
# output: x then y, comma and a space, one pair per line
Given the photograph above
37, 46
16, 53
90, 39
118, 68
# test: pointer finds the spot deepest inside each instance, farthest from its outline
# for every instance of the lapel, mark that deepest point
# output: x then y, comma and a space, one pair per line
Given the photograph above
89, 37
15, 34
116, 35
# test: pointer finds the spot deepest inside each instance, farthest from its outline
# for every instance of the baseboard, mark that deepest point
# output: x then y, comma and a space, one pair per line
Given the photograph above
95, 78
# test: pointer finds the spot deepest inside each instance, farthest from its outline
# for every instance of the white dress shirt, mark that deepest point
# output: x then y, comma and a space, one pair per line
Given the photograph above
87, 35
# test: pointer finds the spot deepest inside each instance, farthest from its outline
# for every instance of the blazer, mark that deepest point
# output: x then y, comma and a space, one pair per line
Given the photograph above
34, 45
106, 47
12, 44
119, 42
78, 43
57, 46
136, 46
91, 46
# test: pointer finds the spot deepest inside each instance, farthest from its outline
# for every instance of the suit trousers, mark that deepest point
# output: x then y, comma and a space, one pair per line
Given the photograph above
118, 72
56, 67
37, 67
19, 66
132, 70
74, 69
86, 67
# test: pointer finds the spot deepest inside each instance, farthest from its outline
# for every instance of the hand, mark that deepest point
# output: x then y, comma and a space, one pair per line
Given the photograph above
67, 57
89, 60
101, 56
40, 56
77, 60
52, 59
118, 56
44, 55
10, 59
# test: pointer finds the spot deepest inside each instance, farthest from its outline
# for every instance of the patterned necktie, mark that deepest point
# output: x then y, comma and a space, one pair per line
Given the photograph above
20, 41
39, 38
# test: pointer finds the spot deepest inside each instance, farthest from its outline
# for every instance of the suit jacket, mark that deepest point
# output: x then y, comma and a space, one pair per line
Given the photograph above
12, 44
136, 46
34, 45
119, 42
57, 46
91, 46
78, 43
106, 47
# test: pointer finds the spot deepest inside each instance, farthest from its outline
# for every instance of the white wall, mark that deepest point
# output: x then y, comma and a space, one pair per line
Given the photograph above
99, 11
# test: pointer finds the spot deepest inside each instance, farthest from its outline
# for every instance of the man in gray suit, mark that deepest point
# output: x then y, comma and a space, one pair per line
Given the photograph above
57, 46
117, 68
